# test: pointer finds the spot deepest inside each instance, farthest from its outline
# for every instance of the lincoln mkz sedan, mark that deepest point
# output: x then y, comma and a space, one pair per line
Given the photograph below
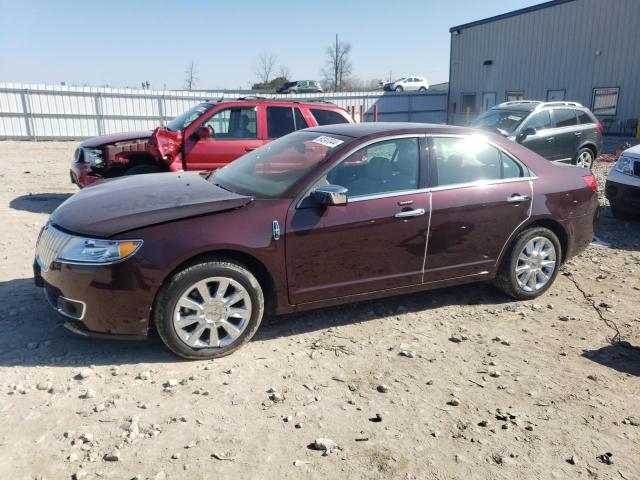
320, 217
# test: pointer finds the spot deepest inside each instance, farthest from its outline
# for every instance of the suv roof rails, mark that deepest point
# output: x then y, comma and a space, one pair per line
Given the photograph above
520, 102
561, 104
312, 100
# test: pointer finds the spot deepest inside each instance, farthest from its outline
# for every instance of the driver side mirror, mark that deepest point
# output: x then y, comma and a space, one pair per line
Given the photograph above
203, 132
331, 195
526, 132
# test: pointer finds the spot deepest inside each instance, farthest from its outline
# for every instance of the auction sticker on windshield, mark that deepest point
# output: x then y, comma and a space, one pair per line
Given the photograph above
327, 141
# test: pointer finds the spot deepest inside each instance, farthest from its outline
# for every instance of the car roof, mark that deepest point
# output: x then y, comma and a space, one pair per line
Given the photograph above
311, 101
357, 130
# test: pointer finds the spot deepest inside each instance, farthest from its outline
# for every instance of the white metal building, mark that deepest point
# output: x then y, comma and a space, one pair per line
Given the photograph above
580, 50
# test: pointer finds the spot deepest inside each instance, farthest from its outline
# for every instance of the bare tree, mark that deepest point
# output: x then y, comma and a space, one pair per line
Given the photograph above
191, 77
265, 67
284, 72
339, 67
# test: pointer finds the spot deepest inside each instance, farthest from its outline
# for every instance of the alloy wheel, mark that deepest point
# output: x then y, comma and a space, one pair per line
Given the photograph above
536, 264
584, 160
212, 313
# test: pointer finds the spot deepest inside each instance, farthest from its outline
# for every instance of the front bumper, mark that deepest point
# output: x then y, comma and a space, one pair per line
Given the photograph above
623, 191
111, 301
82, 175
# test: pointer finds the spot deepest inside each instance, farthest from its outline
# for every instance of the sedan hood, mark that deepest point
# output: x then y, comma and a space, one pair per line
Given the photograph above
102, 140
115, 206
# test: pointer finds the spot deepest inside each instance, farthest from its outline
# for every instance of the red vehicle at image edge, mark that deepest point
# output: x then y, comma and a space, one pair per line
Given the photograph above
206, 137
323, 216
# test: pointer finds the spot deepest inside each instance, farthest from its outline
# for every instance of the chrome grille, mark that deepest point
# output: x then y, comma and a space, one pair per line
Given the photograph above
50, 244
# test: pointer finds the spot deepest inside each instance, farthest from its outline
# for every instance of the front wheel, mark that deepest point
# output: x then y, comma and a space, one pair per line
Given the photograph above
209, 310
584, 158
422, 89
399, 89
531, 265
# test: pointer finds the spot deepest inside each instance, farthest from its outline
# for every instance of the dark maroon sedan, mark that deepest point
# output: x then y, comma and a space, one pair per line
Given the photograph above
323, 216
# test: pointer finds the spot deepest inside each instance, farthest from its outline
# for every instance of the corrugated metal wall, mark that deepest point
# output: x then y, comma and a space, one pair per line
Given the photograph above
575, 47
35, 112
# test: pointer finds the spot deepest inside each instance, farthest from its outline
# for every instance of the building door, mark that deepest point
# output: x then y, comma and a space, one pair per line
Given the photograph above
468, 105
488, 100
555, 95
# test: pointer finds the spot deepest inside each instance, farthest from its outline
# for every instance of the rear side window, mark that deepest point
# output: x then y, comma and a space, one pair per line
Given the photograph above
565, 117
470, 159
584, 117
327, 117
300, 121
279, 121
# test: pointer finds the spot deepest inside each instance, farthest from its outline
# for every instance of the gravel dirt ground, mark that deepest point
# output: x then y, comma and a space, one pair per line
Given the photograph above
453, 383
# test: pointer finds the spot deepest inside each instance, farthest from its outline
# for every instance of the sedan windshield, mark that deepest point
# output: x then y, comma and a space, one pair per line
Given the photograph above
271, 171
187, 118
502, 121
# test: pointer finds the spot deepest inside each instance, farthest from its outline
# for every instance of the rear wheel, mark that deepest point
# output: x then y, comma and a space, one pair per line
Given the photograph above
422, 89
531, 265
399, 89
584, 158
209, 310
143, 169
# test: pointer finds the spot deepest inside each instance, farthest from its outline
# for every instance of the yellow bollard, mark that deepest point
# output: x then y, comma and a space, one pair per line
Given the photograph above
638, 128
468, 115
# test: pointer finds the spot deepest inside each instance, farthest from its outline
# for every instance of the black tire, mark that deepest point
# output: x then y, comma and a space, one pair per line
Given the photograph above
506, 279
422, 89
143, 169
399, 89
170, 294
584, 152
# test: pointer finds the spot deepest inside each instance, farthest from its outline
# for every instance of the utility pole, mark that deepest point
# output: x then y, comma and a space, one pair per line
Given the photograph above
336, 67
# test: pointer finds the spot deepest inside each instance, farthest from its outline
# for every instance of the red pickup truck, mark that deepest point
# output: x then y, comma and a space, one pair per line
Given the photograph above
206, 137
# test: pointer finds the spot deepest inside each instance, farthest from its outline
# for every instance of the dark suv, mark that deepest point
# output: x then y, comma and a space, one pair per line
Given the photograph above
558, 131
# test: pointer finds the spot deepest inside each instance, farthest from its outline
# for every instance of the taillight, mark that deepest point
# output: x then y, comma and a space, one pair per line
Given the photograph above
600, 128
591, 182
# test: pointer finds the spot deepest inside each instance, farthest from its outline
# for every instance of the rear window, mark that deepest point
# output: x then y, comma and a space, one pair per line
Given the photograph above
300, 121
565, 117
584, 117
328, 117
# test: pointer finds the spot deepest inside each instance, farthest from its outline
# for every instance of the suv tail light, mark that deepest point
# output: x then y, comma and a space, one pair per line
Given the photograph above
600, 128
591, 182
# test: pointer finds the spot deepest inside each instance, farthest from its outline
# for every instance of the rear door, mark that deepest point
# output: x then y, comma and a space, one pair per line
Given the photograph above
480, 196
236, 131
567, 136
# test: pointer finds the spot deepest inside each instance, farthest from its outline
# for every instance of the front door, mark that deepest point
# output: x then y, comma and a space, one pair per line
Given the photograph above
376, 242
543, 139
235, 132
480, 196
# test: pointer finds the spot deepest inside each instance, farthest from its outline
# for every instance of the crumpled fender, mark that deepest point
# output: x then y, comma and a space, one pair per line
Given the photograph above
166, 145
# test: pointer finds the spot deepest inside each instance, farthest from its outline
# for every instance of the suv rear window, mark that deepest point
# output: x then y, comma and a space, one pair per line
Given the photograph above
565, 117
327, 117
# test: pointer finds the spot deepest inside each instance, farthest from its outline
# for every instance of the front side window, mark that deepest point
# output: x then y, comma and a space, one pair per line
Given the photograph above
234, 123
383, 167
538, 120
272, 170
470, 159
185, 119
565, 117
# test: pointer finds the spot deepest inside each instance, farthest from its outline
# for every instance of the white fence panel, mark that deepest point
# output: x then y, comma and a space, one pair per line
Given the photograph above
33, 112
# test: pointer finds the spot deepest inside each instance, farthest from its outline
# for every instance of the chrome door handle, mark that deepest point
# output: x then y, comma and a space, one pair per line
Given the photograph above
410, 213
517, 198
549, 139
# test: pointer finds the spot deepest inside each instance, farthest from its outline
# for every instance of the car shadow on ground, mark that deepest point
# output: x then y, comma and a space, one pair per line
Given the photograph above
39, 202
34, 335
619, 356
618, 234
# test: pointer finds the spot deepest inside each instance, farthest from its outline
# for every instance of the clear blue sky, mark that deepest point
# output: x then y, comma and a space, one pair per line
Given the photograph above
122, 43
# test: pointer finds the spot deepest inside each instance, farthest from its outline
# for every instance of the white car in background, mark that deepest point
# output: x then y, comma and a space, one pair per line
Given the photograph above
407, 84
623, 185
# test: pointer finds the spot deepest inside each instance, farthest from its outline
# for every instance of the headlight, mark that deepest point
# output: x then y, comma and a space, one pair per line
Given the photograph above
624, 165
91, 250
93, 156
